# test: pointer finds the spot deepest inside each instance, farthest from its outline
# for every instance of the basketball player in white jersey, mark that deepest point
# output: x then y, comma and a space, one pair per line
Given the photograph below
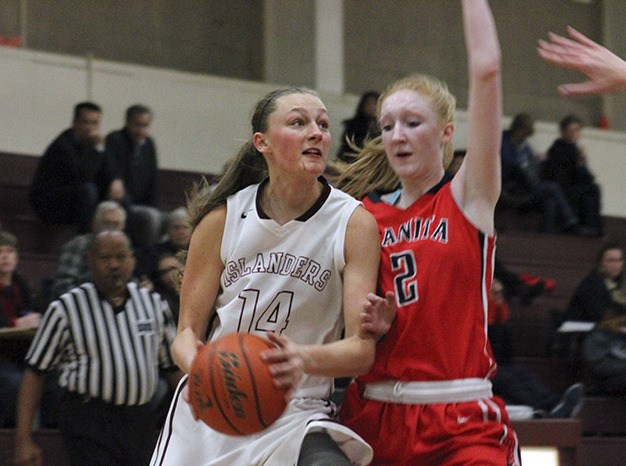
291, 257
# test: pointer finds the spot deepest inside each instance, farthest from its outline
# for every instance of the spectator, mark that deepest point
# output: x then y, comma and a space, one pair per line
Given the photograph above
523, 285
166, 278
134, 156
360, 128
516, 384
601, 288
74, 174
105, 417
15, 292
522, 185
176, 240
15, 311
73, 267
604, 352
566, 165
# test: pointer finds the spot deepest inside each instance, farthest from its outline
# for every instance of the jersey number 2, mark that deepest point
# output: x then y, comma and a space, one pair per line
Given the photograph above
405, 280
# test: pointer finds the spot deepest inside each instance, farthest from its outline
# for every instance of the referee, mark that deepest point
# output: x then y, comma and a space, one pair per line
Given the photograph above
108, 339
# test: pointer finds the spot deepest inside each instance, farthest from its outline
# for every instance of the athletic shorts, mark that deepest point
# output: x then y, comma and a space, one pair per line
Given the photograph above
474, 432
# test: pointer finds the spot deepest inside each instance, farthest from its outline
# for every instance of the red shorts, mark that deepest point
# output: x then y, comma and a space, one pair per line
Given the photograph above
464, 433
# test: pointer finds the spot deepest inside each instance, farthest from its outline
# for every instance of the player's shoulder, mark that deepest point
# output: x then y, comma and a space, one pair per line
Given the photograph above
213, 221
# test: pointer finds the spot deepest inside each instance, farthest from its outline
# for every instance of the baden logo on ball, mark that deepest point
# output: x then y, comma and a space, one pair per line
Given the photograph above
230, 387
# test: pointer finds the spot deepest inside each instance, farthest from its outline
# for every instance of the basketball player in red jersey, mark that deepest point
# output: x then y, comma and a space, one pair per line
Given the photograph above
427, 399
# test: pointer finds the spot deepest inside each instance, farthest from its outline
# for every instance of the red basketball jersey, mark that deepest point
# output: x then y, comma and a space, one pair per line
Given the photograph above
439, 266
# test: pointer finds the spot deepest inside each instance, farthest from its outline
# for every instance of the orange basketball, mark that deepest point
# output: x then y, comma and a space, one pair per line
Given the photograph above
230, 387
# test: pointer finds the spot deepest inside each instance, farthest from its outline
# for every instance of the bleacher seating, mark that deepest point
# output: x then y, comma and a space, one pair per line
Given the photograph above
567, 259
40, 243
564, 434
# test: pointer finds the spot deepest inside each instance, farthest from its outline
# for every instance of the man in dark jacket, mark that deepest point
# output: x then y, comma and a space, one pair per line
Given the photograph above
74, 174
566, 165
136, 170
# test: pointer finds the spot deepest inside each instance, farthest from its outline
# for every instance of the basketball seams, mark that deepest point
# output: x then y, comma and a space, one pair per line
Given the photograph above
212, 367
257, 401
230, 398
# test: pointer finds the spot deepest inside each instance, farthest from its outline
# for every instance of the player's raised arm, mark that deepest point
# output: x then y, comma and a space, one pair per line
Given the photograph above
477, 185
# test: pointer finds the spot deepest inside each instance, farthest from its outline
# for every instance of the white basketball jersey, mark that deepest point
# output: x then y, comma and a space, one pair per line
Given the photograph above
287, 278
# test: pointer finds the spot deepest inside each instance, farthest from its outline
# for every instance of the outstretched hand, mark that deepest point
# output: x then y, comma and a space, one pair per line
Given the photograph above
378, 313
606, 72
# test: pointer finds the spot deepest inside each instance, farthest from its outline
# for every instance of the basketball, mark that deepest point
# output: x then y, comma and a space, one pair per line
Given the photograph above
230, 387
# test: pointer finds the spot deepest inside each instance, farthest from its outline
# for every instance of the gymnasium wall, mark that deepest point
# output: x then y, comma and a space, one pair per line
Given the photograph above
200, 120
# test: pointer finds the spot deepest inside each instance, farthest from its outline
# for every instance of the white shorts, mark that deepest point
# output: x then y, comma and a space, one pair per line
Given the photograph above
184, 441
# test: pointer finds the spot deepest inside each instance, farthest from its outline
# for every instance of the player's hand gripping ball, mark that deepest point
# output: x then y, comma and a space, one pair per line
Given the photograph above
230, 387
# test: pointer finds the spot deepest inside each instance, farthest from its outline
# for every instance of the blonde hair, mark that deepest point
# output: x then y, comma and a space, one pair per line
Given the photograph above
371, 170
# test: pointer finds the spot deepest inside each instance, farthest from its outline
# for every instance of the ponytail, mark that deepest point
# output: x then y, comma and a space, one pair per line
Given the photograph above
369, 172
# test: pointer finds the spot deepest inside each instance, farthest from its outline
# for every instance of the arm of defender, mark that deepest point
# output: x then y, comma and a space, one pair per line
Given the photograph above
477, 184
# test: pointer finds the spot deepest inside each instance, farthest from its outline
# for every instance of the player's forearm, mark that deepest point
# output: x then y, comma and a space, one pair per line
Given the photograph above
349, 357
184, 349
481, 39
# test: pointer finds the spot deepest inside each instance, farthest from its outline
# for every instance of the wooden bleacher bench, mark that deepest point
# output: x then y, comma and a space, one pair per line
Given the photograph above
602, 451
563, 434
604, 416
556, 373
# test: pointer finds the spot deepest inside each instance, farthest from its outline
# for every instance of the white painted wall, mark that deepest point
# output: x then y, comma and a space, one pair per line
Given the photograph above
200, 121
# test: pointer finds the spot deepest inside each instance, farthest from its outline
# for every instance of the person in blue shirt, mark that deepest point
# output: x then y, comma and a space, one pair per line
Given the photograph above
522, 185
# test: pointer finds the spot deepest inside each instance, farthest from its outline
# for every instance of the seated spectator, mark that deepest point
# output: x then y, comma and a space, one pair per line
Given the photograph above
523, 285
177, 239
74, 174
603, 286
604, 352
522, 185
517, 385
134, 157
16, 311
73, 268
167, 278
105, 417
360, 128
566, 165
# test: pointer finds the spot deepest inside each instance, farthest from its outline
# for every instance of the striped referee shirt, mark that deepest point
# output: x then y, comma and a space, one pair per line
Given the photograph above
111, 354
